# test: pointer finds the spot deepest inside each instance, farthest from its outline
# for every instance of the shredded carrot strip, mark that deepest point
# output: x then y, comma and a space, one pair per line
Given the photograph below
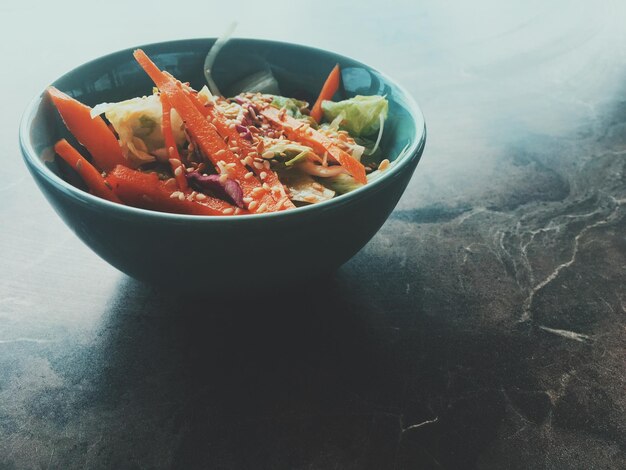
297, 131
94, 134
245, 147
145, 190
331, 85
206, 136
170, 145
92, 177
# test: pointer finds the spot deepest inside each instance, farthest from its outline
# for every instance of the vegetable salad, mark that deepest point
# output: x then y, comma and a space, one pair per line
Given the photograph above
195, 152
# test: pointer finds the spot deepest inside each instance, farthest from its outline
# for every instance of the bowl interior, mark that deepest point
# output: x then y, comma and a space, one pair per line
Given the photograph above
299, 70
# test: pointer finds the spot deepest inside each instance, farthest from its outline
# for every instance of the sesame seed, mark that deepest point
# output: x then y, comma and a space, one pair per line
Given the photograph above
219, 153
248, 161
175, 194
223, 178
237, 211
174, 161
383, 165
200, 197
247, 200
276, 189
248, 175
268, 154
228, 211
79, 164
258, 166
252, 154
262, 208
267, 187
181, 196
234, 149
178, 171
252, 205
170, 151
266, 164
231, 165
263, 175
257, 190
190, 170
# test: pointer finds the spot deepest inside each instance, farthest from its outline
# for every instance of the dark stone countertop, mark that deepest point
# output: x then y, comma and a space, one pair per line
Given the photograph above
483, 327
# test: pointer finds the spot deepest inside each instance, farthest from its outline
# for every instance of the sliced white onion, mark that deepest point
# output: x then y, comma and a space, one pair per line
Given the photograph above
334, 125
212, 55
101, 108
357, 151
381, 119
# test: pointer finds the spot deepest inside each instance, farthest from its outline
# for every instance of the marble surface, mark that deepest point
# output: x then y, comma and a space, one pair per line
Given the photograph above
483, 327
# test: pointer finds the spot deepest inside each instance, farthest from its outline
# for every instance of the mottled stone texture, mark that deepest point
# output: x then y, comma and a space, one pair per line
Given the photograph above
483, 327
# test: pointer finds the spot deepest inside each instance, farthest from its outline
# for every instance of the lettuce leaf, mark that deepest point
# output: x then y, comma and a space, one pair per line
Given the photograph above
292, 106
138, 125
361, 114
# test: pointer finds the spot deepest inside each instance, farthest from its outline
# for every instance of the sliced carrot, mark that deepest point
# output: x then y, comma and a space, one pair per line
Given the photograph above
170, 145
145, 190
92, 133
331, 85
245, 147
266, 175
92, 177
279, 194
206, 136
296, 130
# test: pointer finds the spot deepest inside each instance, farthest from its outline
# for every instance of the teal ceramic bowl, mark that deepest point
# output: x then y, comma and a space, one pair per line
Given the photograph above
214, 253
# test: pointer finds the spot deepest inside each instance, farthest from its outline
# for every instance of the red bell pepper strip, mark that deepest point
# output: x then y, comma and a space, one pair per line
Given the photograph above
331, 85
146, 191
206, 136
296, 130
170, 145
92, 133
92, 177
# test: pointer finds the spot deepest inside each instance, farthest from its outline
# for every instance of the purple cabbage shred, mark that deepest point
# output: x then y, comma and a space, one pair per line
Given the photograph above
228, 190
244, 132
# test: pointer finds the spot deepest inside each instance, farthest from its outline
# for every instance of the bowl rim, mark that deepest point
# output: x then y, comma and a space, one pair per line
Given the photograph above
36, 163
